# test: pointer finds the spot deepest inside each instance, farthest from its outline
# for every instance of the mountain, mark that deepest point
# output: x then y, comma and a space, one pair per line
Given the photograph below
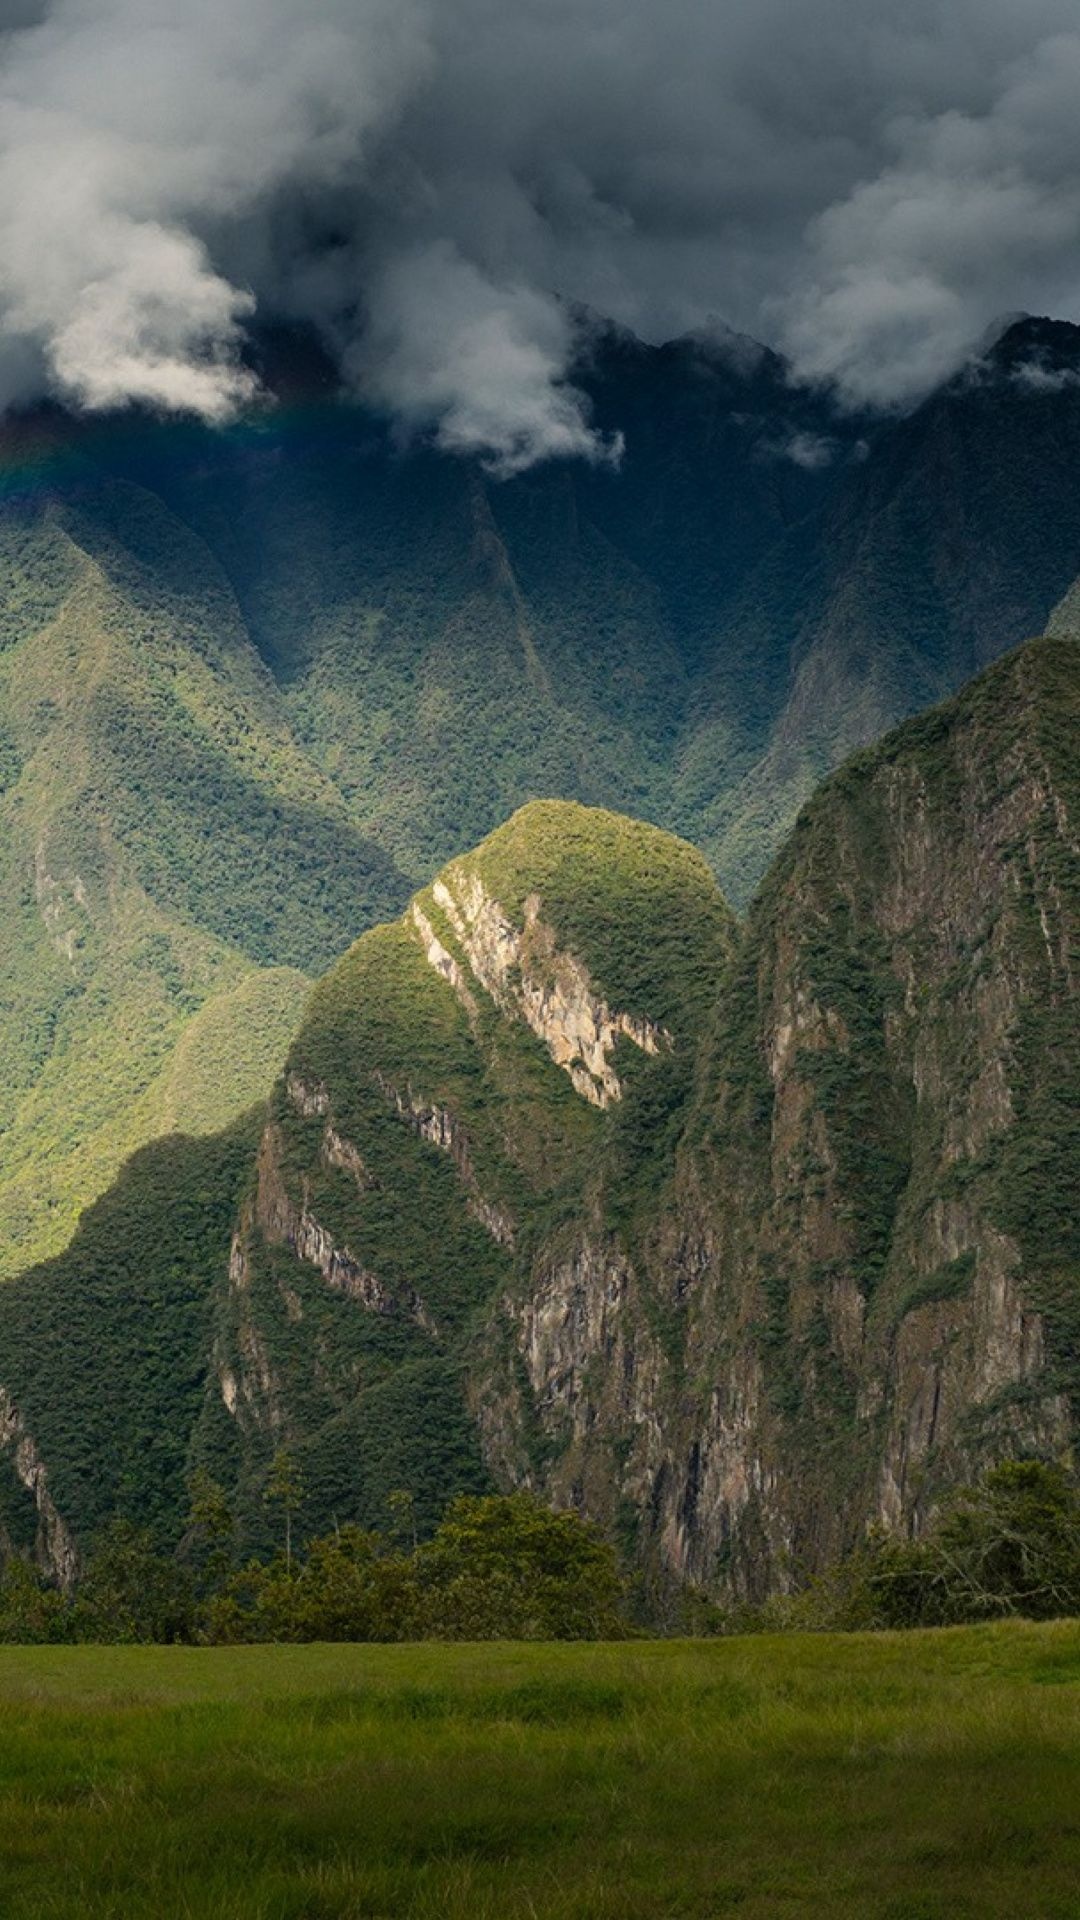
739, 1235
884, 1159
950, 542
226, 1298
257, 684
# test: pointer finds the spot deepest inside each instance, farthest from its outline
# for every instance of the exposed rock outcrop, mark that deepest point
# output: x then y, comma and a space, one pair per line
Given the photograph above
526, 974
438, 1126
56, 1551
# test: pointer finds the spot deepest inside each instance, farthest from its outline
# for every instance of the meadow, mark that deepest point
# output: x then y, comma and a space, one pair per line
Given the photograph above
918, 1776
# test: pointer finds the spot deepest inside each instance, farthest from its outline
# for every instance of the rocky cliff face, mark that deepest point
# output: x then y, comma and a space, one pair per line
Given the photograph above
870, 1251
743, 1239
882, 1161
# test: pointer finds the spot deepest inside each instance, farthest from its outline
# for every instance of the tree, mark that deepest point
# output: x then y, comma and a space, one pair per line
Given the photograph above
285, 1489
346, 1589
507, 1567
210, 1528
402, 1505
1010, 1545
350, 1590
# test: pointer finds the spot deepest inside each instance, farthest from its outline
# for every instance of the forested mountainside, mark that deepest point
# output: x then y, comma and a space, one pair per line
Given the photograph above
172, 866
739, 1236
257, 684
694, 637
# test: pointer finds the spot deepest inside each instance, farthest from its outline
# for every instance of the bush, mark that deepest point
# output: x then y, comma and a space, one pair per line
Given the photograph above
131, 1592
507, 1568
1008, 1546
32, 1613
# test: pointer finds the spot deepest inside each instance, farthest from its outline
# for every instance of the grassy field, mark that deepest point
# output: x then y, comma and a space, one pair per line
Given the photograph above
916, 1777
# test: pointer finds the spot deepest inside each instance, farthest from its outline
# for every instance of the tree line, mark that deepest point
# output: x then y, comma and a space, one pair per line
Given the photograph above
507, 1567
497, 1567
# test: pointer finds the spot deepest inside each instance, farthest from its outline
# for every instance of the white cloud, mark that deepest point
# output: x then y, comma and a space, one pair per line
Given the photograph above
479, 364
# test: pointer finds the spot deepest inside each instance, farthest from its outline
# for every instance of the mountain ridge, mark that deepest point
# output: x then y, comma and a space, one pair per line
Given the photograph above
739, 1239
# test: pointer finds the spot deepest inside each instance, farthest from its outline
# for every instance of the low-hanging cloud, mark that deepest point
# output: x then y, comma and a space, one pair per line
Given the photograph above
441, 186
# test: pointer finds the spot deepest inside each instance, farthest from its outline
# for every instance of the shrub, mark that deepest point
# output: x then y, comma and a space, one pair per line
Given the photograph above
506, 1567
346, 1589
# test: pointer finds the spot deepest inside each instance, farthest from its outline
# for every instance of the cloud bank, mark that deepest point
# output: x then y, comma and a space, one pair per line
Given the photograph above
437, 185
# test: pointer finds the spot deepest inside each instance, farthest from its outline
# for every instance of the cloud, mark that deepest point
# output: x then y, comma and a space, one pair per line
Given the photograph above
481, 365
811, 451
441, 186
1039, 377
134, 136
977, 211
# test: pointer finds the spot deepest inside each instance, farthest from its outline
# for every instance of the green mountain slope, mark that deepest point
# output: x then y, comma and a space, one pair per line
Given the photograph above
162, 838
421, 1130
741, 1238
108, 1344
464, 1080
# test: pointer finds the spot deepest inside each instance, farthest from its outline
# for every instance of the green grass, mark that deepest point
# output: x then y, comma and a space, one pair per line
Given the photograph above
903, 1777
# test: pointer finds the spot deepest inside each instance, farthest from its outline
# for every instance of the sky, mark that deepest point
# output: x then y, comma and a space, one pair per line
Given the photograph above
440, 186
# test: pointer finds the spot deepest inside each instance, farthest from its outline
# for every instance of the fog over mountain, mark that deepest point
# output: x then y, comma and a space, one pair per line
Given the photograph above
440, 185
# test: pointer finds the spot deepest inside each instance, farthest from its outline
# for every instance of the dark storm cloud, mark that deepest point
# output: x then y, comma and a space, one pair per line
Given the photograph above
434, 182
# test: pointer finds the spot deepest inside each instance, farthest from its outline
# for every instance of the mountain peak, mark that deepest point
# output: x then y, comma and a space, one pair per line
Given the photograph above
1038, 352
